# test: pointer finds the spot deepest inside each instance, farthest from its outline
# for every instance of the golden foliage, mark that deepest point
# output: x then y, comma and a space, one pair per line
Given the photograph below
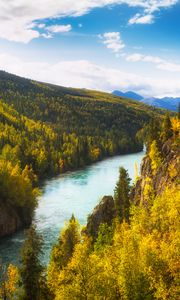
142, 262
175, 126
155, 157
8, 287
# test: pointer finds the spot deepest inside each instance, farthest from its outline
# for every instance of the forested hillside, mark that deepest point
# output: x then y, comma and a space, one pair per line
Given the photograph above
46, 130
71, 127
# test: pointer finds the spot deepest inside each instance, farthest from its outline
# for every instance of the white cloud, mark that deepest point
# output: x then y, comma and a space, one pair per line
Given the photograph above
41, 25
17, 16
85, 74
150, 7
139, 19
47, 35
155, 5
167, 66
113, 41
160, 63
59, 28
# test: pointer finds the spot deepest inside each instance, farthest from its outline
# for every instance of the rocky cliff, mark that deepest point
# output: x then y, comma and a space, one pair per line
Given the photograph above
167, 173
104, 212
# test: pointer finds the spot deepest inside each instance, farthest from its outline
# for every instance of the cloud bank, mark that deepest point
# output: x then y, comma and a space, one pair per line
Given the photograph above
84, 74
160, 63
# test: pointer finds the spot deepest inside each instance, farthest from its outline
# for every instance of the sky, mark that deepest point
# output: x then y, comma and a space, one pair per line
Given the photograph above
95, 44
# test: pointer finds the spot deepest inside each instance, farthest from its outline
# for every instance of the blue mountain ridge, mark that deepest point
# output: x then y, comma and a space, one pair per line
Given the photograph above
169, 103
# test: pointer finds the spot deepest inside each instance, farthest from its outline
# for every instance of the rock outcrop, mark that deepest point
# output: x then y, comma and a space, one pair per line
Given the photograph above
104, 212
167, 173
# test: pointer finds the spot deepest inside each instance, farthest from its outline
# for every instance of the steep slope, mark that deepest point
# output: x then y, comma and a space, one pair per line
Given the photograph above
18, 137
158, 171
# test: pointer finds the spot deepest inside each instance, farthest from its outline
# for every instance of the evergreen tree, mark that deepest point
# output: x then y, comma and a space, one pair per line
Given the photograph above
153, 132
63, 250
121, 195
105, 236
150, 133
31, 268
167, 128
155, 156
69, 237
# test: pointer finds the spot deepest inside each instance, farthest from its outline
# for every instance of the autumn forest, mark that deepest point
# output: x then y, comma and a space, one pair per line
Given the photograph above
129, 247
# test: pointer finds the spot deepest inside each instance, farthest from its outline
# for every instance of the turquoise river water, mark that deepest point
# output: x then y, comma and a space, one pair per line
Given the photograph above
75, 192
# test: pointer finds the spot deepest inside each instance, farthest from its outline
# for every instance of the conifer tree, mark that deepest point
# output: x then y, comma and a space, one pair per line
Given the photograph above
69, 237
167, 128
63, 250
150, 133
31, 268
155, 156
154, 130
121, 195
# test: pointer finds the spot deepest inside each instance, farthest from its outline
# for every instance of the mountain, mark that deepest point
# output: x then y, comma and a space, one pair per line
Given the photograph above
46, 130
130, 95
169, 103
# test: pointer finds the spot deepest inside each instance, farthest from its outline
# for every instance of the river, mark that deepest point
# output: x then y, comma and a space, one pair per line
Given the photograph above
75, 192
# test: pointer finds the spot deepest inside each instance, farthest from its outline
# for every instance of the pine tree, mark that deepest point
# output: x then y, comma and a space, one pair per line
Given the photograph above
31, 268
167, 128
69, 237
62, 252
153, 131
155, 156
121, 195
150, 133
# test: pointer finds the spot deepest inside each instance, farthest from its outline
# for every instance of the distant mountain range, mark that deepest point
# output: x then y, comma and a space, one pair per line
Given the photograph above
169, 103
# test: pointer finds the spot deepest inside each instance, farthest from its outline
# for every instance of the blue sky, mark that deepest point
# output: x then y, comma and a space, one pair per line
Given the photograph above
96, 44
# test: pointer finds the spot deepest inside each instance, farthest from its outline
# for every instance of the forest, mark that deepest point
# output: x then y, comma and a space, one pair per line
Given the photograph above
55, 129
46, 130
131, 254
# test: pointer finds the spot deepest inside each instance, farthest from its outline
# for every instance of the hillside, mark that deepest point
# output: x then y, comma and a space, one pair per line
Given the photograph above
84, 126
68, 108
46, 130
